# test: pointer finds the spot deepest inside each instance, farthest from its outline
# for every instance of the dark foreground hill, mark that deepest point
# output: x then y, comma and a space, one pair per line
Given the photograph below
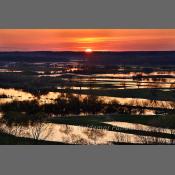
106, 58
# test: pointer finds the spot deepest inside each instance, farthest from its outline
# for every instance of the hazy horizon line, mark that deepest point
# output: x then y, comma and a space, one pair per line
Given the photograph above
88, 53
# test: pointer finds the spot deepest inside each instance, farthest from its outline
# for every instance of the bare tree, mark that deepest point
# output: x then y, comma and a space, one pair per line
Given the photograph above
66, 129
94, 134
16, 130
40, 130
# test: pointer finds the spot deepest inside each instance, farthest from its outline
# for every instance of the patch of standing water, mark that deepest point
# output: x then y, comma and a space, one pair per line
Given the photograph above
51, 96
139, 127
13, 94
82, 135
9, 70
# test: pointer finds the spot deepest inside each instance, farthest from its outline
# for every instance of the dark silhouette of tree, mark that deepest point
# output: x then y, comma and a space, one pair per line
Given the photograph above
74, 104
111, 107
92, 104
37, 129
21, 106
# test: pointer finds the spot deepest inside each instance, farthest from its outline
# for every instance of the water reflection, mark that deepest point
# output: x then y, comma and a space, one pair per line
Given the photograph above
94, 134
49, 75
13, 94
83, 135
80, 135
139, 127
20, 95
10, 70
123, 82
131, 74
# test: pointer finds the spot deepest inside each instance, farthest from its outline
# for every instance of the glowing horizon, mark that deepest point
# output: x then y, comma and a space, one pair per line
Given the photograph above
83, 39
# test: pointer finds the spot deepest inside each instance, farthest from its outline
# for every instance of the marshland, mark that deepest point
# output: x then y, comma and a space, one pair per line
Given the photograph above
80, 98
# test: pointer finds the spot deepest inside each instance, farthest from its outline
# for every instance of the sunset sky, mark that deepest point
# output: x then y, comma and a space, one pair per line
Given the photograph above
82, 39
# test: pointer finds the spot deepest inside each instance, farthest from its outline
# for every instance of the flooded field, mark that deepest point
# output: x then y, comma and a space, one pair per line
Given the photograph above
118, 90
19, 95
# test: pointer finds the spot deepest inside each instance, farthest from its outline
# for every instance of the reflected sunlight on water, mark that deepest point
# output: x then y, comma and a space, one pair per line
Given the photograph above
51, 96
138, 127
84, 135
13, 94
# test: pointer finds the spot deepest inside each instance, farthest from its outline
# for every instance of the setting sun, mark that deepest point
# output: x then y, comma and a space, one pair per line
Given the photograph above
87, 40
88, 50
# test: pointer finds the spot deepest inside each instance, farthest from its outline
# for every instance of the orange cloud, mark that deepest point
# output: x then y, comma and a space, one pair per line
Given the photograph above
80, 39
